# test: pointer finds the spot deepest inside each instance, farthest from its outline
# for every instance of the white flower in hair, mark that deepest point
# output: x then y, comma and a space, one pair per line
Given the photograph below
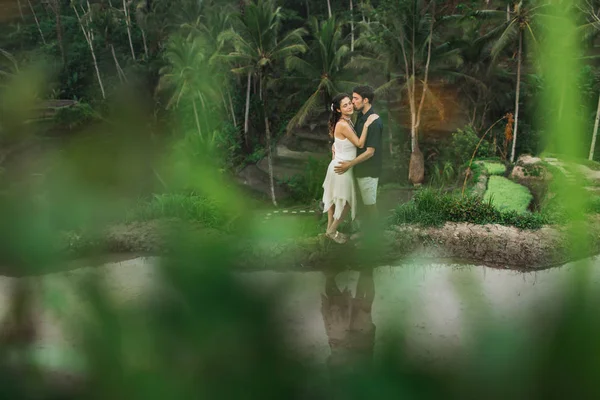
331, 106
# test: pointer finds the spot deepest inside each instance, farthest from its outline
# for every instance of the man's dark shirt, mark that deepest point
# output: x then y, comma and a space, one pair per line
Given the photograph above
372, 166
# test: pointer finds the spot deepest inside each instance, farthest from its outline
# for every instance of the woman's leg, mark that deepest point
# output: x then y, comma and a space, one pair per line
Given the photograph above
336, 222
330, 217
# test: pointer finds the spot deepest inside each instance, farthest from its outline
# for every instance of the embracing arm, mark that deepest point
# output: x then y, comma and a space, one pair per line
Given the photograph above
363, 157
344, 166
349, 133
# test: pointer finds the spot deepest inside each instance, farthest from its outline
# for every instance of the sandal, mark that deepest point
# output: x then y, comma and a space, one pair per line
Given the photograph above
336, 237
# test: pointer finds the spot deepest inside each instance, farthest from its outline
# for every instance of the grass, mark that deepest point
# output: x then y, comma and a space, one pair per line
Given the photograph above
186, 207
494, 168
434, 208
195, 208
507, 195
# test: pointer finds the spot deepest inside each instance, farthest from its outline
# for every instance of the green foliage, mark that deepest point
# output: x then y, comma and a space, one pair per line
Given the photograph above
434, 208
308, 186
464, 142
323, 72
75, 116
443, 175
205, 334
188, 207
494, 168
534, 170
258, 154
507, 195
228, 145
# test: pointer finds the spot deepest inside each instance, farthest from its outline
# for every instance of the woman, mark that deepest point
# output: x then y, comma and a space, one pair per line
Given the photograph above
339, 195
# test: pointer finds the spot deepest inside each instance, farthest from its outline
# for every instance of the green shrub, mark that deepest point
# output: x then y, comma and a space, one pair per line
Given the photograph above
186, 207
507, 195
464, 143
228, 144
434, 208
258, 154
443, 174
75, 116
308, 185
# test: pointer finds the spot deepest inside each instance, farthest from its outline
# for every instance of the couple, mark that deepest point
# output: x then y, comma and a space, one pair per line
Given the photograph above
356, 152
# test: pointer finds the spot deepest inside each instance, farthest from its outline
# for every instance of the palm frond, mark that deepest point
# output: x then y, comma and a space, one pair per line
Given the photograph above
508, 35
362, 62
297, 64
388, 87
305, 111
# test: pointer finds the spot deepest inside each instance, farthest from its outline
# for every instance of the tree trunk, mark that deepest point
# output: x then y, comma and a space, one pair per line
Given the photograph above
88, 39
329, 7
37, 23
592, 147
390, 134
59, 34
416, 168
389, 118
514, 143
196, 117
145, 45
362, 10
120, 73
307, 10
20, 10
270, 159
351, 26
247, 115
128, 25
55, 6
232, 109
268, 144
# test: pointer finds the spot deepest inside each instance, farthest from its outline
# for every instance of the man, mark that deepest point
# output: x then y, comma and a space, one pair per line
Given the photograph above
368, 162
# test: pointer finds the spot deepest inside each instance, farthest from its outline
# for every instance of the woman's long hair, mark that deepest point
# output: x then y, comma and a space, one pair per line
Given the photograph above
336, 114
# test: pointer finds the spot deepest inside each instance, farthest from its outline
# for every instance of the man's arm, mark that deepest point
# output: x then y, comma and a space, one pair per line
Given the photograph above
374, 139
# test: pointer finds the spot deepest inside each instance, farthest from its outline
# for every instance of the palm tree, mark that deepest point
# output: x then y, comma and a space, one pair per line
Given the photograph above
400, 43
515, 25
323, 70
477, 74
209, 25
258, 49
188, 75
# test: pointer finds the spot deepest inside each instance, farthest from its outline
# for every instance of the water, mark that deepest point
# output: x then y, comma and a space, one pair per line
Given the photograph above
330, 318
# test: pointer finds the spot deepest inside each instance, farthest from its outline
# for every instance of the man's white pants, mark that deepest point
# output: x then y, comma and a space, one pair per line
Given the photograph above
368, 189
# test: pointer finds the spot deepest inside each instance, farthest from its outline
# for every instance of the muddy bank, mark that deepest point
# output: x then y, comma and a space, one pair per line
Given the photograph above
492, 245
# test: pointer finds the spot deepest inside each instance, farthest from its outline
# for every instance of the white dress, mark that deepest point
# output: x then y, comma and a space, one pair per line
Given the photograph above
339, 189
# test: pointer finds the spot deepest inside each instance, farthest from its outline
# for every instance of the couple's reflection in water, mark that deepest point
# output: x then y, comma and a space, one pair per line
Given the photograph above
348, 323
